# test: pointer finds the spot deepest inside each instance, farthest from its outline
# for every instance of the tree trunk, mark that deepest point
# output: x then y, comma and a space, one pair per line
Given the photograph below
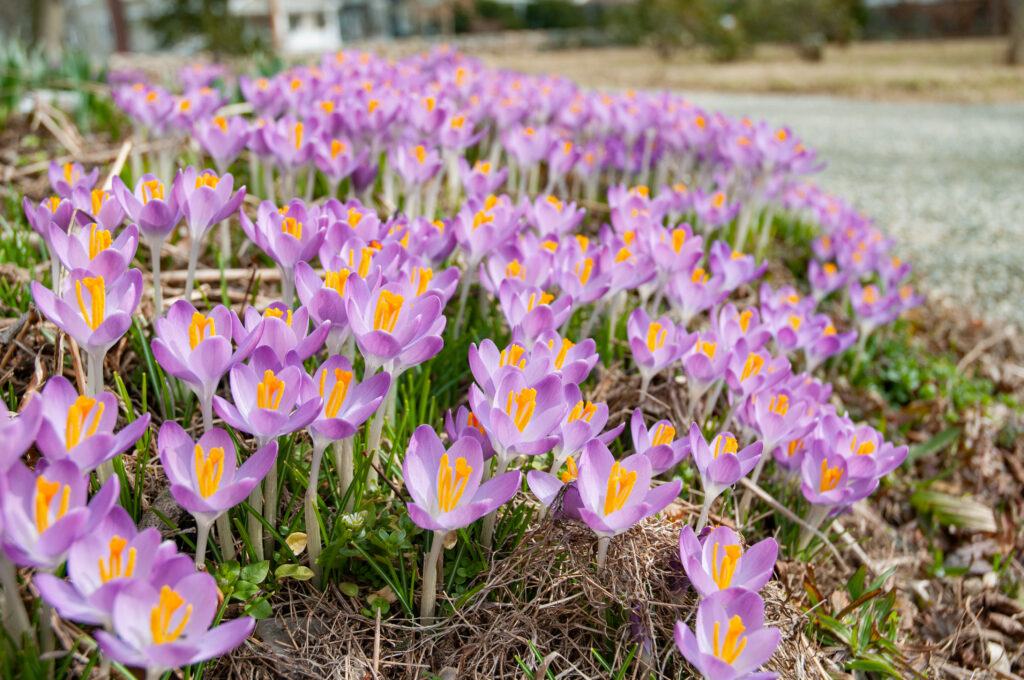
1015, 52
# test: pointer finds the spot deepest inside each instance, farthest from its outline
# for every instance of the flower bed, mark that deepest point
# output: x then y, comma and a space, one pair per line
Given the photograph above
413, 392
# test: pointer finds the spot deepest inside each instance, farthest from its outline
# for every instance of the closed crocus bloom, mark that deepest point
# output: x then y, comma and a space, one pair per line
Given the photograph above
659, 443
50, 210
393, 330
45, 511
705, 363
106, 559
160, 628
197, 348
64, 179
285, 332
721, 562
615, 495
18, 430
269, 401
80, 429
291, 141
731, 641
446, 485
92, 248
337, 158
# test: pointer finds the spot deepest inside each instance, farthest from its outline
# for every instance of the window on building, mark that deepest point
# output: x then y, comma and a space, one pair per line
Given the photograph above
320, 19
293, 20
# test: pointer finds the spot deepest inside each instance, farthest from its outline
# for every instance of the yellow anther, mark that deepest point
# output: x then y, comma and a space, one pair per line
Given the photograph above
620, 486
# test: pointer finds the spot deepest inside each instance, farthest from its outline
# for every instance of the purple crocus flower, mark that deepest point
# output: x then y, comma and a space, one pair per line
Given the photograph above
64, 179
44, 511
222, 138
615, 495
197, 349
325, 300
827, 344
95, 309
480, 180
530, 311
721, 464
204, 476
284, 332
205, 200
166, 627
659, 444
551, 217
731, 641
705, 364
347, 404
655, 344
446, 486
336, 158
81, 429
288, 236
734, 267
269, 401
97, 204
719, 561
152, 206
415, 165
393, 330
18, 430
465, 424
826, 478
106, 559
91, 245
583, 421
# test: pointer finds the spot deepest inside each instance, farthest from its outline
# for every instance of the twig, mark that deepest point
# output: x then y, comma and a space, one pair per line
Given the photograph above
767, 498
115, 169
983, 345
14, 334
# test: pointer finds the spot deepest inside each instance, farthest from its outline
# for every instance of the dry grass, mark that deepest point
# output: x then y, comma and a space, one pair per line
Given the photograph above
955, 71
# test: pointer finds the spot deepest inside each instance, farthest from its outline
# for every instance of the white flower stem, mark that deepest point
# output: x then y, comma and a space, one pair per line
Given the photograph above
254, 526
14, 615
815, 516
270, 502
287, 287
344, 464
376, 431
193, 259
487, 531
464, 284
224, 537
313, 543
202, 536
705, 512
428, 599
158, 295
602, 550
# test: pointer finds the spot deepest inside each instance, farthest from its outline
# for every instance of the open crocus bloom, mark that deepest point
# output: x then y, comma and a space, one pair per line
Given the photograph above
94, 308
269, 401
731, 641
284, 331
196, 347
91, 244
104, 561
81, 429
615, 495
206, 199
656, 344
165, 627
346, 403
393, 330
826, 478
18, 430
722, 563
64, 179
152, 206
445, 485
44, 511
520, 419
722, 463
204, 475
659, 443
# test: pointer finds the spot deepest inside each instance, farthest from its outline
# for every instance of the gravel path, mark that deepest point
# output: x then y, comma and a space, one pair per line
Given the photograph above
946, 180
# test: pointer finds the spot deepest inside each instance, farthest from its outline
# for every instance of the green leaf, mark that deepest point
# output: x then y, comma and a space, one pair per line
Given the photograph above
295, 571
380, 604
349, 588
260, 609
245, 591
855, 586
935, 444
227, 573
255, 572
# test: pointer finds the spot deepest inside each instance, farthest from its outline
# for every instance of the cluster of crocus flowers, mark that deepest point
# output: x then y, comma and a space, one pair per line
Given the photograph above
729, 639
677, 178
